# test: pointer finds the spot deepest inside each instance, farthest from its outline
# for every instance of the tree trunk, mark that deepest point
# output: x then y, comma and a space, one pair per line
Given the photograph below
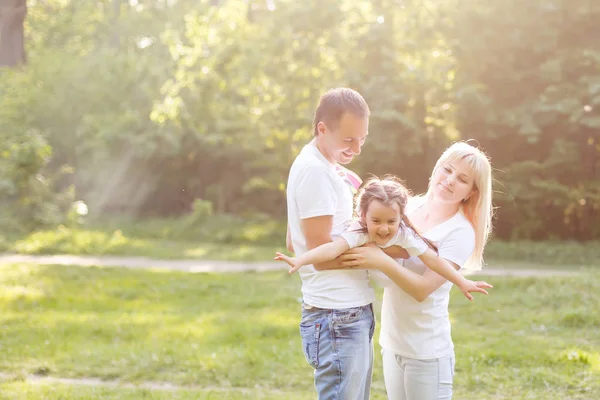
12, 36
116, 13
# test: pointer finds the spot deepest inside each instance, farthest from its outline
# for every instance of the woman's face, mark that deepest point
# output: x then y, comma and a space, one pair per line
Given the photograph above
453, 182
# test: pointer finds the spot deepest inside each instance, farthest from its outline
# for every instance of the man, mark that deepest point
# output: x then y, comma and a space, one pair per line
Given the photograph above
337, 315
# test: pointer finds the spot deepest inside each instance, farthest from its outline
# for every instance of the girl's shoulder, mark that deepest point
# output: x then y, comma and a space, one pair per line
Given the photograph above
354, 226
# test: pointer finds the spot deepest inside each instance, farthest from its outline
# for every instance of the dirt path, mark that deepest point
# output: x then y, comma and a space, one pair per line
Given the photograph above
198, 266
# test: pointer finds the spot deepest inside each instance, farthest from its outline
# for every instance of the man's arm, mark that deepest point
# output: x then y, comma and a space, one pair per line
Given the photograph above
288, 240
317, 231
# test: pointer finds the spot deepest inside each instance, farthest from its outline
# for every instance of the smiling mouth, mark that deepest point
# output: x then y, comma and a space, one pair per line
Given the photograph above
347, 154
446, 188
383, 236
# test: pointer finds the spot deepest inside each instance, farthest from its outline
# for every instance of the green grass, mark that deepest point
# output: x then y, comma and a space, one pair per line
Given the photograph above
236, 335
101, 243
550, 253
20, 390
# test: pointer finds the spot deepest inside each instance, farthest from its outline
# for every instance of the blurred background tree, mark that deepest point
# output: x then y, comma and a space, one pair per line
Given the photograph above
141, 107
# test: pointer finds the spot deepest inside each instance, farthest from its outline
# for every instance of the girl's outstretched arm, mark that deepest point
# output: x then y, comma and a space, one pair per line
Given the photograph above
442, 267
323, 253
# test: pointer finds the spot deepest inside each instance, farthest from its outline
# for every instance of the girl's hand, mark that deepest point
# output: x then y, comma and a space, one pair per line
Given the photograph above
369, 257
291, 261
470, 286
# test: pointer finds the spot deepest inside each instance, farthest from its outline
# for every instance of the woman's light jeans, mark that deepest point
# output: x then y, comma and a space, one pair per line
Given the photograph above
410, 379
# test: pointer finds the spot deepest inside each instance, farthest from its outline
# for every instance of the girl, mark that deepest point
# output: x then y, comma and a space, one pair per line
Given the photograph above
380, 207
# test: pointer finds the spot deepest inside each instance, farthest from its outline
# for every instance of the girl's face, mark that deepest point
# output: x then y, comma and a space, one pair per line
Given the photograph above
453, 182
382, 221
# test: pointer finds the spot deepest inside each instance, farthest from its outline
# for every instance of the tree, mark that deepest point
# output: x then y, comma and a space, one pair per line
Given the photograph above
12, 38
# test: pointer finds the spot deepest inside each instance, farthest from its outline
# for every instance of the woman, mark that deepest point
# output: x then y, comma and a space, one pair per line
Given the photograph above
456, 214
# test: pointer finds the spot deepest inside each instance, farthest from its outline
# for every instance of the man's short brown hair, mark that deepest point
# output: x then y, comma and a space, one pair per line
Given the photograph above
335, 103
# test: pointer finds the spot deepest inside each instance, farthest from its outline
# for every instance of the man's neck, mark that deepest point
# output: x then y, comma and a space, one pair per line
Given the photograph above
321, 149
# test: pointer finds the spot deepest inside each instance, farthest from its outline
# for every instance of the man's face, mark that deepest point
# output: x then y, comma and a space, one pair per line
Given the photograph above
340, 144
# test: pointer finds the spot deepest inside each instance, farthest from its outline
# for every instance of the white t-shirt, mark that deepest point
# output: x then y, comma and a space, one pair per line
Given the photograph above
315, 188
405, 237
422, 330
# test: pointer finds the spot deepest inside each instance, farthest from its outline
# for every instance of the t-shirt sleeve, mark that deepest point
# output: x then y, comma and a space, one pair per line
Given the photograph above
458, 245
353, 237
409, 240
315, 193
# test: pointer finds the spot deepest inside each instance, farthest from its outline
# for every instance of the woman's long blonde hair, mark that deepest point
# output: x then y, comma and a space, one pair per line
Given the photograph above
478, 208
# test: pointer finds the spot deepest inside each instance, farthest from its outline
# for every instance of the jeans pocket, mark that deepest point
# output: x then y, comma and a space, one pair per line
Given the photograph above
347, 315
372, 330
310, 334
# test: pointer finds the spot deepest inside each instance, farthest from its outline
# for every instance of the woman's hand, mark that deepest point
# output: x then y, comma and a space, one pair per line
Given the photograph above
368, 257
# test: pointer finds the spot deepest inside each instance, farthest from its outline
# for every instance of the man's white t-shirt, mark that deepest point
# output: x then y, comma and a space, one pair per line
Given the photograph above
315, 188
422, 330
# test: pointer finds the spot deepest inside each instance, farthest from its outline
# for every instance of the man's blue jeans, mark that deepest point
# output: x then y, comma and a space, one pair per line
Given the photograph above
338, 344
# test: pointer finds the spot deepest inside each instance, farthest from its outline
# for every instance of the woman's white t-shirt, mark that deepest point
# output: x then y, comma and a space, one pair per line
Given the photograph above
422, 330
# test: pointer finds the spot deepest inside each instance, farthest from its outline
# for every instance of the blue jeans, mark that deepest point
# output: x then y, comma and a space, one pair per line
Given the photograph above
338, 344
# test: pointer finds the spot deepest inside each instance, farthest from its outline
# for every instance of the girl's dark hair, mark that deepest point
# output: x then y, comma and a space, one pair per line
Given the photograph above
389, 190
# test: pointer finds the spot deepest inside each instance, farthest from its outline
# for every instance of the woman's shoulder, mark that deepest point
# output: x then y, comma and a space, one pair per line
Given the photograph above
459, 228
456, 228
414, 202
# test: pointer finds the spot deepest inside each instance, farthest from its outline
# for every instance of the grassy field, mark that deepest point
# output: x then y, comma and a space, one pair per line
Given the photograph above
235, 336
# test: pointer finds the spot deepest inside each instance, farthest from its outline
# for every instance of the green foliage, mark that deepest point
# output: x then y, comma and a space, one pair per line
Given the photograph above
145, 108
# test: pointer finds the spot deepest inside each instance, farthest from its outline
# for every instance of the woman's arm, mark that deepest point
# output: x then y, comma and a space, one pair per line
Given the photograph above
372, 257
417, 286
320, 254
